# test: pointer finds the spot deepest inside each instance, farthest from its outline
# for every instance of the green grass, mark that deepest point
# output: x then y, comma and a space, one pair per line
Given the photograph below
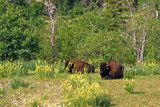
18, 82
47, 92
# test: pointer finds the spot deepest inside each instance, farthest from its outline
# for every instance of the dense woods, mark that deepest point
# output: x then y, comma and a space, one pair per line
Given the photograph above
97, 30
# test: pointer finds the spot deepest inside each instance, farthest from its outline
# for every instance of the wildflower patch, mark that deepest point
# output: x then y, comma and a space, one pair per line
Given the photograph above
79, 92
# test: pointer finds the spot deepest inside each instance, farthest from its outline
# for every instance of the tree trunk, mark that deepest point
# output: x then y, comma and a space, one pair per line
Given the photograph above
157, 13
51, 9
142, 49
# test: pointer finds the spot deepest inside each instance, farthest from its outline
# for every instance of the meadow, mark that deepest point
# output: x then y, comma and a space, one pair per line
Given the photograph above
38, 83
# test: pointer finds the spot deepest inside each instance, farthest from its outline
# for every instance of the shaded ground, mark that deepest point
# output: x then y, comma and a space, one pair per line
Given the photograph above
47, 92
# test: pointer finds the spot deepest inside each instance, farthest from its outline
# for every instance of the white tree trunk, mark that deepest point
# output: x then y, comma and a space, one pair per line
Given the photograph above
156, 13
138, 44
51, 8
142, 49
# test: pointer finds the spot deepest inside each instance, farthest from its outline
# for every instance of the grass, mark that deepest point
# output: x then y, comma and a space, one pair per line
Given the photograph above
46, 92
18, 82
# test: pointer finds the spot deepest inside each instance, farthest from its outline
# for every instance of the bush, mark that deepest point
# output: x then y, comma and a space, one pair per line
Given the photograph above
129, 85
79, 92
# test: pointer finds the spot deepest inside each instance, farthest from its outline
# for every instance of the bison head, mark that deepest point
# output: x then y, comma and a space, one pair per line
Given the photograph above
104, 69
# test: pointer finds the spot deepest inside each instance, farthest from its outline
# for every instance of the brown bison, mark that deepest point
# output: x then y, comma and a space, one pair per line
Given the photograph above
78, 65
111, 70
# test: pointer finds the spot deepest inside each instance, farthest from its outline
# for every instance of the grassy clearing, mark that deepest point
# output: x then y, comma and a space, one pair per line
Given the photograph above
47, 92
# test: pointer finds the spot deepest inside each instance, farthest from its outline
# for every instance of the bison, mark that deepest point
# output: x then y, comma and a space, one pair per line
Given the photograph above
111, 70
78, 65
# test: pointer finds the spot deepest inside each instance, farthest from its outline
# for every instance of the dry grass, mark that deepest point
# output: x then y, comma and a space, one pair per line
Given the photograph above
146, 92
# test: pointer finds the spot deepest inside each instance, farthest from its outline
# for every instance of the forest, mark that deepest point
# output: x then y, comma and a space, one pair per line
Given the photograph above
37, 37
98, 30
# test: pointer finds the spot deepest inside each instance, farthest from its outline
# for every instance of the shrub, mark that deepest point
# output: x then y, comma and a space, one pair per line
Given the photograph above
18, 82
43, 70
129, 85
79, 92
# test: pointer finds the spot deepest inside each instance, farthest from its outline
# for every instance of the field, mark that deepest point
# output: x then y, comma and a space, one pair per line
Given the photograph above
38, 83
47, 92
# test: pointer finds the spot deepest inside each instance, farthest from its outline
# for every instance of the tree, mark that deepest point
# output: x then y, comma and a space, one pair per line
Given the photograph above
96, 35
138, 27
51, 11
18, 38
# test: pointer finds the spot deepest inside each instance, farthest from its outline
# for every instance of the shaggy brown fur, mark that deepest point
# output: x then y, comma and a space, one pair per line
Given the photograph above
111, 70
79, 65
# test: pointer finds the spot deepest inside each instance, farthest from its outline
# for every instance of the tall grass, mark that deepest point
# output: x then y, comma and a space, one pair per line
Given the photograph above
18, 82
17, 68
144, 69
2, 91
11, 69
43, 70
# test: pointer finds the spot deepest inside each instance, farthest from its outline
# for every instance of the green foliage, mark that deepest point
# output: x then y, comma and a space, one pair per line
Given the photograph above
94, 35
102, 101
2, 91
18, 30
143, 22
146, 68
79, 92
58, 67
93, 31
19, 67
43, 71
18, 2
141, 2
68, 6
129, 85
18, 82
11, 69
128, 75
152, 45
35, 103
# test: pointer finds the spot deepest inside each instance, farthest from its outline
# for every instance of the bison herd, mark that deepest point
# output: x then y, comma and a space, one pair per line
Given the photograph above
110, 70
